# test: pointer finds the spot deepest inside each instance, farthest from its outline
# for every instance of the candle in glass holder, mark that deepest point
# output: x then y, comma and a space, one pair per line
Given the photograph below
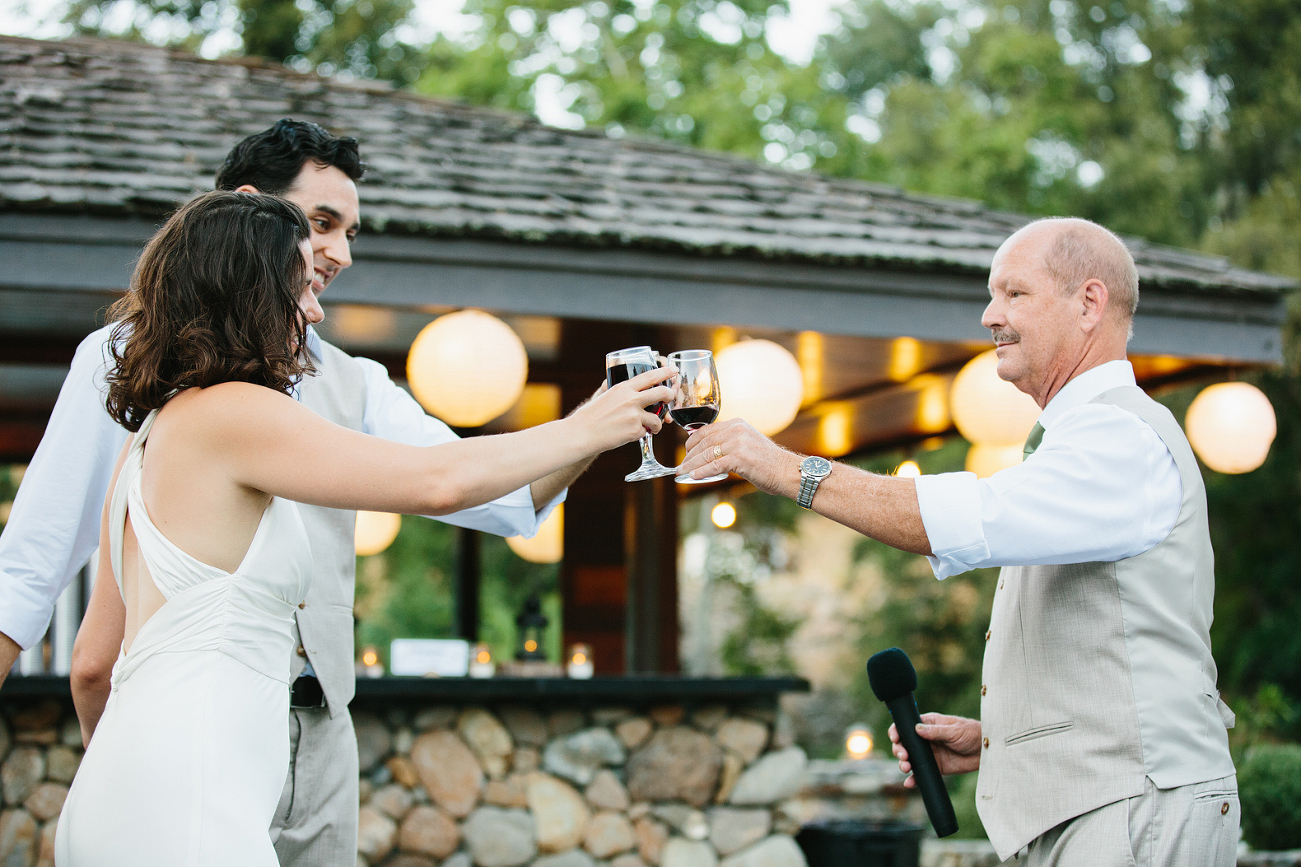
481, 664
858, 741
580, 665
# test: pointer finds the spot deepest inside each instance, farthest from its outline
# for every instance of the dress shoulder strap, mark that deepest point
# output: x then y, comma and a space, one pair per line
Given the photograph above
117, 508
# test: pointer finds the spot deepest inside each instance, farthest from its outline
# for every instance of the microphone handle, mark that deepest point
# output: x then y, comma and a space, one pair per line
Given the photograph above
925, 770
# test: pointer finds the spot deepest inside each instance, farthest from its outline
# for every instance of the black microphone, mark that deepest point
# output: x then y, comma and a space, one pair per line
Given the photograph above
893, 681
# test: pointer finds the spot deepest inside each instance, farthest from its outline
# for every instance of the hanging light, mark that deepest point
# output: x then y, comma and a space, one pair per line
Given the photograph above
467, 367
908, 470
1231, 426
985, 460
375, 532
988, 410
723, 515
760, 382
548, 545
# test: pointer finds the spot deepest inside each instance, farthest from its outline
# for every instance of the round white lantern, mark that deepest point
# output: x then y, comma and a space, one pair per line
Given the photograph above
987, 410
375, 532
548, 546
985, 460
760, 382
1231, 426
467, 367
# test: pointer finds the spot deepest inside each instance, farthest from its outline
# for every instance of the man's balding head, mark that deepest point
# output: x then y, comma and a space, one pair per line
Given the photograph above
1062, 298
1076, 251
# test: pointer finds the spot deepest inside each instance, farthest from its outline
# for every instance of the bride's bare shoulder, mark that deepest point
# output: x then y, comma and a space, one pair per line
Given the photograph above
227, 404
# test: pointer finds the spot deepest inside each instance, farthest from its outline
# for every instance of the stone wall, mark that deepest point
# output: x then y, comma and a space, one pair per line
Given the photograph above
41, 747
573, 787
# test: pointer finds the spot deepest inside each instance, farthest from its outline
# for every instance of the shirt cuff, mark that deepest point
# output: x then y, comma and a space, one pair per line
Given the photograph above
950, 510
25, 616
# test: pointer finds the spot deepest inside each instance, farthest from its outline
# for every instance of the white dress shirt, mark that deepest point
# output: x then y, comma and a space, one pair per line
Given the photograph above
1101, 487
54, 526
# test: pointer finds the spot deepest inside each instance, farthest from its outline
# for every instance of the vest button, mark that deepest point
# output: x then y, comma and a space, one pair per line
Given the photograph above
301, 651
986, 743
1224, 808
982, 689
988, 632
302, 605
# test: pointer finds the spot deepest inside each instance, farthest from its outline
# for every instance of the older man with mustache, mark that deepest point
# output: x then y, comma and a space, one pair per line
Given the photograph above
1102, 739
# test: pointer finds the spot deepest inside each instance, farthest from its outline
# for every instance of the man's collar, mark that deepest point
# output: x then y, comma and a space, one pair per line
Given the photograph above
1086, 387
314, 344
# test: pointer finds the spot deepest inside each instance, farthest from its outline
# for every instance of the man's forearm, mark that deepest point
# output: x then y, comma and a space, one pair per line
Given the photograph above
9, 651
547, 488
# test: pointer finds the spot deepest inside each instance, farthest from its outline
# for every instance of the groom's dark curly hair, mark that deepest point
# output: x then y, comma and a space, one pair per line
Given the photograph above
214, 298
270, 161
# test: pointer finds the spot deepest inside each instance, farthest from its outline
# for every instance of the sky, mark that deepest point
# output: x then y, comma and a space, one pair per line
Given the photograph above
793, 39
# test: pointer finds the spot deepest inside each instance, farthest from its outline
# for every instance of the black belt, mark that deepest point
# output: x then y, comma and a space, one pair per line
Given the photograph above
306, 692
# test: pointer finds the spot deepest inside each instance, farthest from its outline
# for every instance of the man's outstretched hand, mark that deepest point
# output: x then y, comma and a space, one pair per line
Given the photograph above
955, 741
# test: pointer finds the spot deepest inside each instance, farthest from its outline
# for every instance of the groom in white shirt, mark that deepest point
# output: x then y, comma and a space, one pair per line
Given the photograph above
1102, 740
54, 524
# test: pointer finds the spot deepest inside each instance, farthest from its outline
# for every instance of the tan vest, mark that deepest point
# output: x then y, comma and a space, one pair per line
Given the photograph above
337, 392
1099, 675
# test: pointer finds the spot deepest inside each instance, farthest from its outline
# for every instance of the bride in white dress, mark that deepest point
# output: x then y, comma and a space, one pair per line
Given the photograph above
202, 536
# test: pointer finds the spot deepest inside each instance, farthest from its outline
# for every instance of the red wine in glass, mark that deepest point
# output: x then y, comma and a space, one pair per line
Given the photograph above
617, 373
694, 417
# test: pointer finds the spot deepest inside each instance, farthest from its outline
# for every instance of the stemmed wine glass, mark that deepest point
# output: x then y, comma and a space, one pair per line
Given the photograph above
696, 400
622, 366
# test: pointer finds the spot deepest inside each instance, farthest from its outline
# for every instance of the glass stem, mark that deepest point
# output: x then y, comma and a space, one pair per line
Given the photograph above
647, 456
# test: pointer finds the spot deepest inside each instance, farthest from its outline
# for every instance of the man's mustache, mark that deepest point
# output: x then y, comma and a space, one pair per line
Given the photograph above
1004, 336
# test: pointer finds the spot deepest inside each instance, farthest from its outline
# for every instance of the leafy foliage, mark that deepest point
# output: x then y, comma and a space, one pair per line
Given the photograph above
1269, 787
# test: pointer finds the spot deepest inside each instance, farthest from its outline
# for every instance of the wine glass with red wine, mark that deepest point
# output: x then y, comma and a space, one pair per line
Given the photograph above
622, 366
696, 400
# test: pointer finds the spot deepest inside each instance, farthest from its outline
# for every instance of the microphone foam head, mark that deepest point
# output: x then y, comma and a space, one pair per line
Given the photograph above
891, 674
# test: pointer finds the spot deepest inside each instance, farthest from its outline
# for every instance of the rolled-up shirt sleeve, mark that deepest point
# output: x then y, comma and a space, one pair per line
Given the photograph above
1101, 487
395, 415
53, 527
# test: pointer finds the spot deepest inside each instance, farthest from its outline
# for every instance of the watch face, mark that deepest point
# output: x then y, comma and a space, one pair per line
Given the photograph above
816, 467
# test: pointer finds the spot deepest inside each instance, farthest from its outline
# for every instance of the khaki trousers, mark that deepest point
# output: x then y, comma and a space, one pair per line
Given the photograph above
315, 824
1188, 826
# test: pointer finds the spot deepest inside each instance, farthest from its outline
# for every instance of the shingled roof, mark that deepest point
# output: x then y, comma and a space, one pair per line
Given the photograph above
121, 129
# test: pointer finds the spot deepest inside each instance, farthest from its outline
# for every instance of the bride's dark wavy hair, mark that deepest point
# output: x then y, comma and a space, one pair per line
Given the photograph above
214, 298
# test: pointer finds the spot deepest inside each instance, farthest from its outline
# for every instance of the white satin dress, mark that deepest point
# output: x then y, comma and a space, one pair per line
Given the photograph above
187, 764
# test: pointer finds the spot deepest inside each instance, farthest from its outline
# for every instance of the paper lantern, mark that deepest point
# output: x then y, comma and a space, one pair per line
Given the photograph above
723, 515
985, 460
760, 382
908, 470
375, 532
1231, 426
548, 545
467, 368
987, 410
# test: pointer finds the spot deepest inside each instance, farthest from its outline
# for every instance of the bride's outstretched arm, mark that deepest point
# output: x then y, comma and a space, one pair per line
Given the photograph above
99, 639
270, 443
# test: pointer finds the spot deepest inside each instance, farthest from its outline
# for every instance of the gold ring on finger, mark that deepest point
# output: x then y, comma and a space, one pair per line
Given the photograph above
718, 452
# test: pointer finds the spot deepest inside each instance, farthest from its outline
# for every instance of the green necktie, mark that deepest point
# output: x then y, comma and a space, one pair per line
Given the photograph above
1032, 441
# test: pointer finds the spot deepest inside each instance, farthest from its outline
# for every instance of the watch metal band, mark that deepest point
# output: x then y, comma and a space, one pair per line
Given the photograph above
808, 487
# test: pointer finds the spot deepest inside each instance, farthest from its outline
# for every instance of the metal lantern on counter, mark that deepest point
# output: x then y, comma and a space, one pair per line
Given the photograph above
531, 624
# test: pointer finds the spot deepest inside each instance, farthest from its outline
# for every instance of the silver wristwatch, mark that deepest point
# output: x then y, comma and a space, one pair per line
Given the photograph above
812, 471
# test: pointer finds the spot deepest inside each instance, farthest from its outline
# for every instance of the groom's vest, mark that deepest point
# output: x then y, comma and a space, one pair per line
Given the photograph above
1099, 675
325, 638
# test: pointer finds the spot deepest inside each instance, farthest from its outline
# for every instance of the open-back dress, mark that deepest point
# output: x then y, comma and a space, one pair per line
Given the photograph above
188, 761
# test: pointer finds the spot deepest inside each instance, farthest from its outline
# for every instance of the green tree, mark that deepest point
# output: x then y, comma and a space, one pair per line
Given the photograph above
698, 72
358, 37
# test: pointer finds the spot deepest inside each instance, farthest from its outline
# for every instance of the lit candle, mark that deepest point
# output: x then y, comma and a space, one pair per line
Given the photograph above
858, 741
481, 664
370, 665
580, 665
